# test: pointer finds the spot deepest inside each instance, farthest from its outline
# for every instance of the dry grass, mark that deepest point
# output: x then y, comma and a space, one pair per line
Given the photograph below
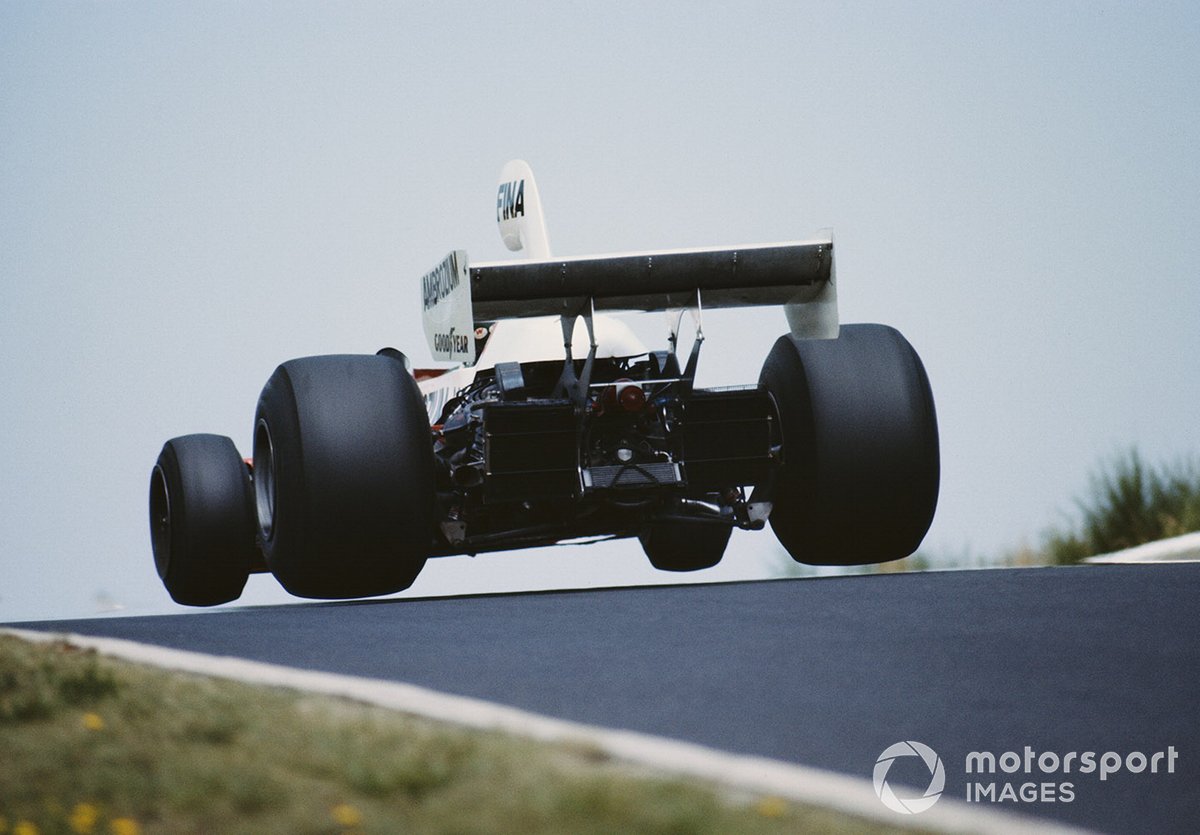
89, 745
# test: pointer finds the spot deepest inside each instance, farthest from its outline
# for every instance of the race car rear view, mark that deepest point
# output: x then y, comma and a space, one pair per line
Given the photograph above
557, 425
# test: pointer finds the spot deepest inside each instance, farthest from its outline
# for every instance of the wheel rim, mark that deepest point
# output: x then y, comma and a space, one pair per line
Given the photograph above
264, 478
160, 520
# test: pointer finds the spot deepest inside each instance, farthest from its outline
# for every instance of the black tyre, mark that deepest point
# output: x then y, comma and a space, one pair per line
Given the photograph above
343, 464
685, 546
202, 520
859, 481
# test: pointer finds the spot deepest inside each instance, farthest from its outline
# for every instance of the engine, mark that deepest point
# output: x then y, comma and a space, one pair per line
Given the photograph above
521, 458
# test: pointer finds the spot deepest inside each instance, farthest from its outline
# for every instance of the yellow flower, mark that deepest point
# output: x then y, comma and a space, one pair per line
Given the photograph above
25, 828
772, 807
346, 815
123, 826
83, 818
93, 721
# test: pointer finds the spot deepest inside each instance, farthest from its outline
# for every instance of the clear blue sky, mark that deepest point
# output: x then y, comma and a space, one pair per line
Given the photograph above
190, 194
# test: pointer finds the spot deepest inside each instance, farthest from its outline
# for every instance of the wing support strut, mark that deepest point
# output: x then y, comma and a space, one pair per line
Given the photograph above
571, 385
674, 320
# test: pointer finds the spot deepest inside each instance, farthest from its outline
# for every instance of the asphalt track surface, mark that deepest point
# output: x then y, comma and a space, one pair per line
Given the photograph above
822, 672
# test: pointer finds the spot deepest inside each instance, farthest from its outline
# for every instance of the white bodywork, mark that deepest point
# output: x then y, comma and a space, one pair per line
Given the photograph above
519, 211
523, 229
517, 300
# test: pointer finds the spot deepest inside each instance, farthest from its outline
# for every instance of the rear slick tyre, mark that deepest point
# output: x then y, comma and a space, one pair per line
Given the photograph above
202, 520
343, 476
859, 481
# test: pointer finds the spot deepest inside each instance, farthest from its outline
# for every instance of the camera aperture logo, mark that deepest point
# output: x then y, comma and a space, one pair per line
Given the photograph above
909, 805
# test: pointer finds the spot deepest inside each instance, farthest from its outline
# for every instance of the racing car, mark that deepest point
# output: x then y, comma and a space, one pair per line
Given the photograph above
554, 424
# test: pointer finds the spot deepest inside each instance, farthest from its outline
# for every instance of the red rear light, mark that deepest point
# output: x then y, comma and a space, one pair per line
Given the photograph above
624, 393
630, 396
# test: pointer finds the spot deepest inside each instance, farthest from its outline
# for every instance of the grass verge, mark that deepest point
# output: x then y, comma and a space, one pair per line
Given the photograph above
94, 745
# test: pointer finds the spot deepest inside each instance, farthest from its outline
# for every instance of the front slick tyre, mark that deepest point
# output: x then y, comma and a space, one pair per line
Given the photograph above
202, 520
343, 476
859, 481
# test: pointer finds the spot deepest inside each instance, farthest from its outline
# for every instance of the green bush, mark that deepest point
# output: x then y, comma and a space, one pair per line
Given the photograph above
1129, 503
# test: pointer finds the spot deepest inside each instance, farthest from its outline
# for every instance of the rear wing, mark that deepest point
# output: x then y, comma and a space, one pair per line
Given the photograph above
739, 277
799, 275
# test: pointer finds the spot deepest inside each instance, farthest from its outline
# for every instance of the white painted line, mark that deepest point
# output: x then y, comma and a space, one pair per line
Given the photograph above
828, 789
1184, 548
